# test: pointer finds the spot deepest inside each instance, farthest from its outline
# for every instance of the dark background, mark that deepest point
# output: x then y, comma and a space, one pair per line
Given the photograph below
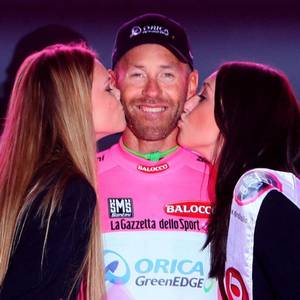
263, 31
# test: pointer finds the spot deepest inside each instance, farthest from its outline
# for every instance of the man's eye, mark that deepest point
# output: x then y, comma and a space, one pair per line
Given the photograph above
136, 75
168, 75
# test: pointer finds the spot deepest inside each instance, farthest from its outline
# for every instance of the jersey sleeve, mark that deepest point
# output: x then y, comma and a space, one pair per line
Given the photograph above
68, 236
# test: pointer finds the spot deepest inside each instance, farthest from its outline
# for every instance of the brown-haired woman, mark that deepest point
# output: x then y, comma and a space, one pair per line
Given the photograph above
247, 123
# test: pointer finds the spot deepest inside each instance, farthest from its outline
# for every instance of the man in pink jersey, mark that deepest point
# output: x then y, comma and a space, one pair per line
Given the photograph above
153, 193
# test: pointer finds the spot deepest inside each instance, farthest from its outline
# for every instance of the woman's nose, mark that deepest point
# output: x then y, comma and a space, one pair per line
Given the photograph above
190, 104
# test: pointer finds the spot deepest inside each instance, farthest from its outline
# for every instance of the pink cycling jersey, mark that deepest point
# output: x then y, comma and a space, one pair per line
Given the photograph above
154, 217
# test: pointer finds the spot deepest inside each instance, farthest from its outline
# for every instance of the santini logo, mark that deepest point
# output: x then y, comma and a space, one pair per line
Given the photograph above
120, 207
153, 169
189, 209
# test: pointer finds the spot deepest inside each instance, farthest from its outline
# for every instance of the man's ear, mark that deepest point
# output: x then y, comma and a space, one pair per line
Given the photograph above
113, 76
192, 84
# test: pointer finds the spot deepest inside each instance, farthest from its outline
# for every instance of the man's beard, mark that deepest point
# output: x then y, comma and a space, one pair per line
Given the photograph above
150, 131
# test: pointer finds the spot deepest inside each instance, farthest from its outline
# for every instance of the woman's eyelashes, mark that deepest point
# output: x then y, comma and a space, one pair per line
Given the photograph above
109, 89
202, 97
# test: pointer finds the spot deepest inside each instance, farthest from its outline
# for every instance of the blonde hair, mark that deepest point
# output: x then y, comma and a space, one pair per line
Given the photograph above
49, 134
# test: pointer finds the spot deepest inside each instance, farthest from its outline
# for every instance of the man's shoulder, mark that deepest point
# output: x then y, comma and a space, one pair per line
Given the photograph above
115, 157
106, 159
194, 160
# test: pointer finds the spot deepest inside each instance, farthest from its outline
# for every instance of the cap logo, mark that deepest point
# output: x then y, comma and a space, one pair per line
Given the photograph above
137, 30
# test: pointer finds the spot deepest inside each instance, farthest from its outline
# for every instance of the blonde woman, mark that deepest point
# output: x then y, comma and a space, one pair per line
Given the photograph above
61, 102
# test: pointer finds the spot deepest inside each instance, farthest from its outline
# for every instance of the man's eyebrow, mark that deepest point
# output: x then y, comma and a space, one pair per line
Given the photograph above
170, 66
137, 66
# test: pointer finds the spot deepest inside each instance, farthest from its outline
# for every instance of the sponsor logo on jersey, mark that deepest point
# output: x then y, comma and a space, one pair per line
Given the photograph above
164, 224
189, 209
153, 169
120, 207
125, 224
100, 157
116, 268
147, 271
235, 286
254, 184
202, 159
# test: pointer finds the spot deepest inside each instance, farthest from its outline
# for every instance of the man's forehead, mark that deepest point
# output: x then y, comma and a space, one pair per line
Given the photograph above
150, 55
170, 66
146, 51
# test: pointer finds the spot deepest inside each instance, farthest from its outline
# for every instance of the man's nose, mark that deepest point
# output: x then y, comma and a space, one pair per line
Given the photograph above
151, 89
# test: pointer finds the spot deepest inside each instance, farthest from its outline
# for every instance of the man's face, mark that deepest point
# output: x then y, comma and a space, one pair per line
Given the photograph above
154, 85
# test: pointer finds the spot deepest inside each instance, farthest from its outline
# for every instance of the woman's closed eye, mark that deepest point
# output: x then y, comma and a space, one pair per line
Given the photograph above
108, 89
202, 97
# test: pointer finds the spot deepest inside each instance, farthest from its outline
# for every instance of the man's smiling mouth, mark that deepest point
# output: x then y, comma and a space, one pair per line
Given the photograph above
151, 109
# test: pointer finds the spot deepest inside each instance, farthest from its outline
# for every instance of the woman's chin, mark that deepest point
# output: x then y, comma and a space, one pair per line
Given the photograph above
102, 135
117, 129
192, 147
183, 141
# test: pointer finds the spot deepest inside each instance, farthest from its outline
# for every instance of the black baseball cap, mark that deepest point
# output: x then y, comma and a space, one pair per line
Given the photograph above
153, 29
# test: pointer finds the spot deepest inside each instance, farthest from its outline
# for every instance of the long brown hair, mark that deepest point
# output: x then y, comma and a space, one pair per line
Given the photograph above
49, 134
259, 121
